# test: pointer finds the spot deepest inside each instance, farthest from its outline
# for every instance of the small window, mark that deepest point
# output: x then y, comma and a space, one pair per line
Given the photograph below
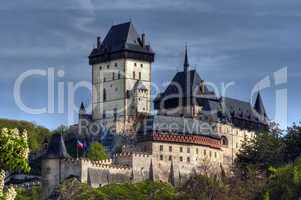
104, 114
113, 75
215, 154
100, 67
134, 75
205, 152
188, 159
181, 149
161, 147
197, 151
169, 158
108, 66
161, 157
170, 148
188, 150
224, 141
210, 153
181, 158
139, 75
116, 65
135, 64
104, 79
141, 65
104, 95
118, 75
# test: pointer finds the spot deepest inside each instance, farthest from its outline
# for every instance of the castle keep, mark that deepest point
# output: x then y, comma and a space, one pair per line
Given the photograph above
193, 131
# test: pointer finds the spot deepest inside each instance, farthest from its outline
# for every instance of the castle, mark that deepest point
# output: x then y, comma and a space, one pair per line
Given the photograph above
193, 130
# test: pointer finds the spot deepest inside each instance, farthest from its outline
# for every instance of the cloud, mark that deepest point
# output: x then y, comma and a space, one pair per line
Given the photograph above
228, 40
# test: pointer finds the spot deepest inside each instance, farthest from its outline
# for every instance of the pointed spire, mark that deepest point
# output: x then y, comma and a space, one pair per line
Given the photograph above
82, 109
132, 175
186, 63
151, 171
258, 106
171, 178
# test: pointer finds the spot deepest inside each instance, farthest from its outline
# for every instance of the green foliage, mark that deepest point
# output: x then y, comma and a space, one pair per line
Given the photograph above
36, 134
293, 142
73, 189
13, 150
13, 157
261, 152
33, 194
203, 188
285, 182
71, 148
97, 152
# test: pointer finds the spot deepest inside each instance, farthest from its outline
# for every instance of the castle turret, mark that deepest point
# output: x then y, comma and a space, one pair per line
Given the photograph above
52, 165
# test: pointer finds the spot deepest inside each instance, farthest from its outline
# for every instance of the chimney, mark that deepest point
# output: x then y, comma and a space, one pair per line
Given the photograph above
143, 39
98, 43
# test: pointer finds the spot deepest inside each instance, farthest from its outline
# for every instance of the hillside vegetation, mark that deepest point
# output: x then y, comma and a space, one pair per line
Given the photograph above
36, 134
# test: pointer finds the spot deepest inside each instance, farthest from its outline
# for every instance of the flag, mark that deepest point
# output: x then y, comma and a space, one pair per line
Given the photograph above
79, 145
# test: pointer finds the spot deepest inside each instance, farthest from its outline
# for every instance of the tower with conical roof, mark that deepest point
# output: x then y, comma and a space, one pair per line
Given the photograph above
52, 169
119, 64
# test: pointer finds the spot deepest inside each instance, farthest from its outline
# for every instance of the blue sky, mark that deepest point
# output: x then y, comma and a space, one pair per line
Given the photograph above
240, 41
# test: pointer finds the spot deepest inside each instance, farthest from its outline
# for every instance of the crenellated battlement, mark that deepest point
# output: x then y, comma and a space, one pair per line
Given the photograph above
132, 154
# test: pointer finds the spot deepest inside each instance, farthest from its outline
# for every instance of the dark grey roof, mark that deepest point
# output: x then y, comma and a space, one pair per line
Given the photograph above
241, 110
176, 125
258, 106
185, 84
56, 148
122, 37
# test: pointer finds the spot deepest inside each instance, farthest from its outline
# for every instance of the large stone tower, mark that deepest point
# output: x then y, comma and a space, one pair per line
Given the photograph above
121, 76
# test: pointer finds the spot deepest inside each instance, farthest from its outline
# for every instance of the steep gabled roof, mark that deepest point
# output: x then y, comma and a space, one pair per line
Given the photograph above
56, 148
185, 84
258, 106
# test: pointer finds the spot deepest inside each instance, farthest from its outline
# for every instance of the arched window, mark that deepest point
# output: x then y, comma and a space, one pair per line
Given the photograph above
224, 141
113, 75
118, 75
104, 95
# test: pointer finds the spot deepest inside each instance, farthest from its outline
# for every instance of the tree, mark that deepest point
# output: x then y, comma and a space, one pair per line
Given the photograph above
261, 152
13, 156
97, 152
36, 134
203, 187
284, 182
292, 142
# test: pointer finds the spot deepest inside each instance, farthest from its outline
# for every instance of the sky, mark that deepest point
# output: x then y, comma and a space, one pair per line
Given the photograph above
235, 41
